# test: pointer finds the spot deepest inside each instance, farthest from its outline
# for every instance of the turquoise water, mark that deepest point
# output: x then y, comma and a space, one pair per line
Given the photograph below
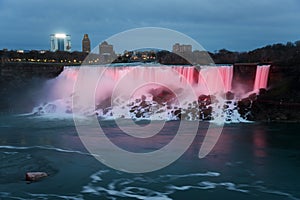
250, 161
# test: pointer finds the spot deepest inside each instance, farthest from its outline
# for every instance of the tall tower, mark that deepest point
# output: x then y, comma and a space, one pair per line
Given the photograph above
60, 42
86, 44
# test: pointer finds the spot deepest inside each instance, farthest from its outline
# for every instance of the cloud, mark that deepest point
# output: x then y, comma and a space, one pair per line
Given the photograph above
236, 24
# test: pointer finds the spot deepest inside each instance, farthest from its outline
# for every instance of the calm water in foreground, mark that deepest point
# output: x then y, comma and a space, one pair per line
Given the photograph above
250, 161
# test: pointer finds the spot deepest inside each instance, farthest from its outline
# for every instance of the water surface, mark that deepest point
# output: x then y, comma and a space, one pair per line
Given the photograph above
250, 160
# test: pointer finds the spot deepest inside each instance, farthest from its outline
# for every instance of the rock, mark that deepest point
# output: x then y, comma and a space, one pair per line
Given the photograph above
138, 114
225, 106
162, 95
138, 100
246, 102
144, 104
177, 113
262, 91
204, 100
35, 176
143, 97
252, 97
229, 95
207, 113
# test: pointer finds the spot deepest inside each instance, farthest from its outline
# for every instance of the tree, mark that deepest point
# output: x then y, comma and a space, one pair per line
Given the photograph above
297, 43
289, 45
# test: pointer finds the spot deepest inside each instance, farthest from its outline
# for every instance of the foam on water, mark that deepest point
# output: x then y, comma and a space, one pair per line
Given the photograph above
223, 111
55, 196
6, 195
111, 184
10, 152
44, 148
142, 193
279, 193
206, 185
208, 174
127, 187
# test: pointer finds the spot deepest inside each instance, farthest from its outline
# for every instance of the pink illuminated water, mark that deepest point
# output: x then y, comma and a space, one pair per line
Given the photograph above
261, 77
208, 80
163, 87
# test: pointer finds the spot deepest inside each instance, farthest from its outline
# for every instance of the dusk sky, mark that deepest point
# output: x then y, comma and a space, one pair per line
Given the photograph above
236, 25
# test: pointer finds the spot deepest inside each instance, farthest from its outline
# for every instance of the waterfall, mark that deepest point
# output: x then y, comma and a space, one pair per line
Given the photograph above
158, 99
261, 77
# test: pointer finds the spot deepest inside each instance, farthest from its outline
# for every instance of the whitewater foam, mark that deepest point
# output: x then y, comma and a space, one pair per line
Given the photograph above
208, 174
206, 185
127, 187
45, 148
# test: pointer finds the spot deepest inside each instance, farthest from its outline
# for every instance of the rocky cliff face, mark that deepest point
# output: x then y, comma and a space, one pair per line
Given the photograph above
21, 82
270, 106
279, 102
25, 70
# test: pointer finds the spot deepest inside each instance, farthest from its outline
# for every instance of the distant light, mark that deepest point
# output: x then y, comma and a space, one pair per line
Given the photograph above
60, 35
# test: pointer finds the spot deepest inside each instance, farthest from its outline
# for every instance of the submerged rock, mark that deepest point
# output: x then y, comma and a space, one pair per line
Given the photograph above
35, 176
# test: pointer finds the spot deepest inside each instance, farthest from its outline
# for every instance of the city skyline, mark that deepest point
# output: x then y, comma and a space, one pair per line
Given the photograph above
62, 42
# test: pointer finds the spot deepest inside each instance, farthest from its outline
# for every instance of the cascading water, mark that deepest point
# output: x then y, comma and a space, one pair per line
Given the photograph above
152, 101
261, 77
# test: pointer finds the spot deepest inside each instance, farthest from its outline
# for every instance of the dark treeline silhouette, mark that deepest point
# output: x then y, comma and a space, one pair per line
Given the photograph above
279, 54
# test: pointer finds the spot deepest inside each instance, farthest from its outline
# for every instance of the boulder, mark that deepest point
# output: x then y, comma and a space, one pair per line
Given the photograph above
35, 176
229, 95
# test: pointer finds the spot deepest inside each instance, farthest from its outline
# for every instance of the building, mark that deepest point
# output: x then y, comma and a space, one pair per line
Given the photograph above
60, 42
107, 53
106, 49
86, 44
182, 48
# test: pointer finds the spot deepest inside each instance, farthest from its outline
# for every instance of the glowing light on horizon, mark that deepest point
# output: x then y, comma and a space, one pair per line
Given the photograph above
60, 35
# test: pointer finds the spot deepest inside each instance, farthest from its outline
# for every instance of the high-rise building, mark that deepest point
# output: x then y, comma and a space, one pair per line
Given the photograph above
60, 42
86, 44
